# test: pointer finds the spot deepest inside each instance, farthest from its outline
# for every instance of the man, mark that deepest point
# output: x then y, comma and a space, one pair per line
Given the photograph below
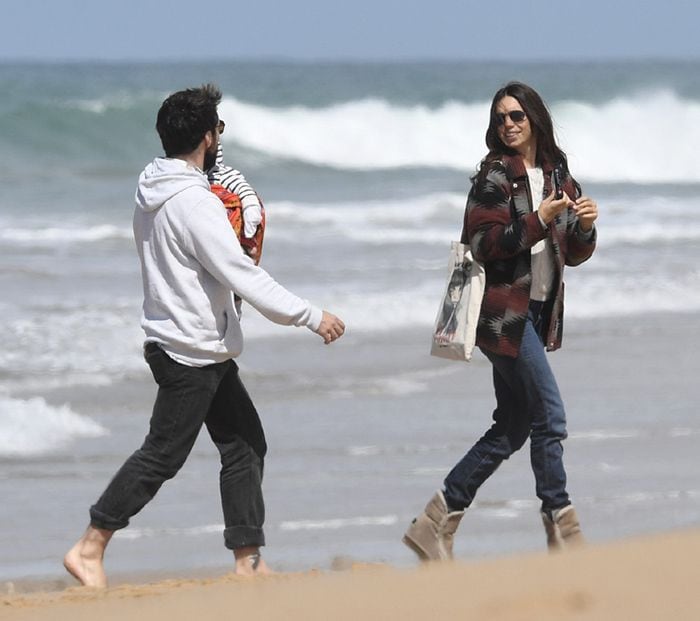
191, 264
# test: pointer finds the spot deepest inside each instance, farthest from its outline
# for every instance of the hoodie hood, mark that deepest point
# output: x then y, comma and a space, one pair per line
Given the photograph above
165, 177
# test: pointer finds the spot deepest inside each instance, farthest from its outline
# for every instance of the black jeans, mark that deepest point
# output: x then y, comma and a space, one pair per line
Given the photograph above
189, 397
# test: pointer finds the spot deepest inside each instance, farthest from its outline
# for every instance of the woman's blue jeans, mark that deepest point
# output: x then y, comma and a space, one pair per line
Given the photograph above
528, 403
189, 397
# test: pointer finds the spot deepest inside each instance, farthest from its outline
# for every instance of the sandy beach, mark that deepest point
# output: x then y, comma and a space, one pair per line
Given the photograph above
648, 578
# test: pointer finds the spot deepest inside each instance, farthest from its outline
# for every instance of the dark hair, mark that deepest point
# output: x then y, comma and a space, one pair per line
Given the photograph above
185, 117
540, 122
457, 280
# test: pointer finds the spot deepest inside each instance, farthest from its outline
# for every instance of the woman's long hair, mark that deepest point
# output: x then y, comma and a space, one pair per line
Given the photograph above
548, 152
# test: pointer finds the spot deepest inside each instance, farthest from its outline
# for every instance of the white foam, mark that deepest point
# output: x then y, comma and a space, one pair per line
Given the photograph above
364, 311
501, 514
437, 218
433, 471
290, 526
91, 344
370, 450
683, 432
32, 427
338, 523
613, 295
192, 531
599, 435
610, 141
51, 236
590, 294
620, 140
643, 233
116, 101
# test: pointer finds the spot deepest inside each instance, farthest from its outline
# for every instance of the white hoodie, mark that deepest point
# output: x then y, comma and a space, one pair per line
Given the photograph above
192, 262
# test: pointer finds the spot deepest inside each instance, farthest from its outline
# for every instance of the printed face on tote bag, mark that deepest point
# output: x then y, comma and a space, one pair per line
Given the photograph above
454, 335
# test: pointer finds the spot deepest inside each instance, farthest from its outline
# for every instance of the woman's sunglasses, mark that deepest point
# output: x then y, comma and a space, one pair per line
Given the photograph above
517, 116
221, 126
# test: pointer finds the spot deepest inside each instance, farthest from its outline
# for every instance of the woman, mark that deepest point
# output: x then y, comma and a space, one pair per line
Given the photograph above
524, 236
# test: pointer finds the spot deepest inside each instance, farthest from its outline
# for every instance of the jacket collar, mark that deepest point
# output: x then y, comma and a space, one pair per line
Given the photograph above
515, 167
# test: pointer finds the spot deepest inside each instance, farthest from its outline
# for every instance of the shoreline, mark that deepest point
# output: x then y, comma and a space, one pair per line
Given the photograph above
647, 578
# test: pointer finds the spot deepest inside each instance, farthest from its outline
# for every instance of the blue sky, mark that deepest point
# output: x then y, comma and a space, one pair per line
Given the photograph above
358, 30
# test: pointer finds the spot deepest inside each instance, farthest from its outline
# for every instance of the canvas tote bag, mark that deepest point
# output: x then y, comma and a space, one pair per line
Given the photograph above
454, 335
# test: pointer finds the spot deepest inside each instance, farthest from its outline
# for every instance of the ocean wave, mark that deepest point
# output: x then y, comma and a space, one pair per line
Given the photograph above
426, 219
32, 427
618, 140
288, 526
594, 295
643, 233
365, 311
51, 236
102, 345
589, 296
601, 435
431, 218
437, 218
86, 344
193, 531
338, 523
119, 101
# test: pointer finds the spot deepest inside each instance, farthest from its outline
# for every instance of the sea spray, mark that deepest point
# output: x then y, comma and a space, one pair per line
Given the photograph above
32, 427
613, 141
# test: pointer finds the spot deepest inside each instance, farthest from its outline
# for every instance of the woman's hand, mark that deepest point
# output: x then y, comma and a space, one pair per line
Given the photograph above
551, 207
587, 211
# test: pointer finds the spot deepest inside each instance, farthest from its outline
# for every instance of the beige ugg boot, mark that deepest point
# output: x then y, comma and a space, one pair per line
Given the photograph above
562, 528
431, 534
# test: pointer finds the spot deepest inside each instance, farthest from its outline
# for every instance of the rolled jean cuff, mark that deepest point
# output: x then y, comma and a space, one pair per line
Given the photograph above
243, 537
105, 522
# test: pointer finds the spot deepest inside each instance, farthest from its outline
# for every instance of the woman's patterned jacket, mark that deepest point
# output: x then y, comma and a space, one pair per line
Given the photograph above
501, 227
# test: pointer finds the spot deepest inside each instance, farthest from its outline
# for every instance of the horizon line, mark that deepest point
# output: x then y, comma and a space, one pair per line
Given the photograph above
281, 59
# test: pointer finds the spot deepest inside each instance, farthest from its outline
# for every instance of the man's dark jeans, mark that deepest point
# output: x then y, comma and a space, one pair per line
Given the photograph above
528, 403
189, 397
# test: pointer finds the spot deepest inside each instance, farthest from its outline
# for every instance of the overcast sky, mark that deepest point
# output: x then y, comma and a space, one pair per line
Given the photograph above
357, 30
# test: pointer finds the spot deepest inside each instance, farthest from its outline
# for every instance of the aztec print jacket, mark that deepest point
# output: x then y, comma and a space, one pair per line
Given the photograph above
501, 227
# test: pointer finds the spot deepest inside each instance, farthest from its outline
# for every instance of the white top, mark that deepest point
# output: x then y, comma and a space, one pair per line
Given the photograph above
234, 181
542, 253
192, 262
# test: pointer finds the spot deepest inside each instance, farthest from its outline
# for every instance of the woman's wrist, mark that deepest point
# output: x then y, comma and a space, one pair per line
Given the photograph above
543, 221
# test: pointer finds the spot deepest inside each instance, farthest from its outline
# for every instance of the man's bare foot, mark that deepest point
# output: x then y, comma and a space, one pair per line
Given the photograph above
250, 563
84, 560
263, 569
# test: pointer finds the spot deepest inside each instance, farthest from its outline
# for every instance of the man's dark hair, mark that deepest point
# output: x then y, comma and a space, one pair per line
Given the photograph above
185, 117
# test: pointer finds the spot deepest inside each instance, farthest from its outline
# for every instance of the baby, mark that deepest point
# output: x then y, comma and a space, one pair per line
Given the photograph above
243, 206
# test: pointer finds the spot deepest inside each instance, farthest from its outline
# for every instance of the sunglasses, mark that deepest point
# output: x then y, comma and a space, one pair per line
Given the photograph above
221, 126
517, 116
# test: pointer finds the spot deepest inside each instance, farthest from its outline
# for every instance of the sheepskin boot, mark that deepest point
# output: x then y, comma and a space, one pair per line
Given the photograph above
431, 534
562, 528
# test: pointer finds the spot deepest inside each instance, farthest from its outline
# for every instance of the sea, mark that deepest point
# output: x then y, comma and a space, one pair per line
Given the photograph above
364, 170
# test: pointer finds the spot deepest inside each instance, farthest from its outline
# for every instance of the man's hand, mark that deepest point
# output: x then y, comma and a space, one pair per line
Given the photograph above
331, 328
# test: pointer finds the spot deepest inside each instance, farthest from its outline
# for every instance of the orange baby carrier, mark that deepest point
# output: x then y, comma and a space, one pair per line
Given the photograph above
234, 211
